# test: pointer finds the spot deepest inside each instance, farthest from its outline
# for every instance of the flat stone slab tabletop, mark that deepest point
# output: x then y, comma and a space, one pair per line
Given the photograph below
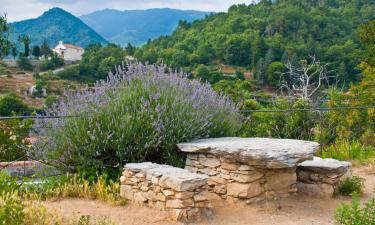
325, 166
265, 153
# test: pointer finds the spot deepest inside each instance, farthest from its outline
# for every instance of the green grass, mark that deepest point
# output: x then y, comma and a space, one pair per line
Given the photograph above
348, 150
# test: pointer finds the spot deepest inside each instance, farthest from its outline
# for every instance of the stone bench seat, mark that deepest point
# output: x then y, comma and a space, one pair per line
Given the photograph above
167, 188
321, 177
248, 169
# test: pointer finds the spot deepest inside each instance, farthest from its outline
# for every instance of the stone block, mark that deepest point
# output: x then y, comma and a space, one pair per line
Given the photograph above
126, 191
179, 203
315, 190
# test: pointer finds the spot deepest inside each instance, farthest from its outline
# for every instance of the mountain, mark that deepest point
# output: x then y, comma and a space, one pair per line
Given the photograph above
138, 26
55, 25
263, 37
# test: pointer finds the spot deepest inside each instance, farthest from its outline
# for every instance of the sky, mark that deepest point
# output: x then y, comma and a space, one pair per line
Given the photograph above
17, 10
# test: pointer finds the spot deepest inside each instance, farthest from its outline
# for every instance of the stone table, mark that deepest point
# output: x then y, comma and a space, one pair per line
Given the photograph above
248, 169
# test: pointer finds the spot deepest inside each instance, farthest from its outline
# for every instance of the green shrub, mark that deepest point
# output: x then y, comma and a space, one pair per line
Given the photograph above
13, 135
351, 185
8, 184
354, 214
348, 150
140, 114
11, 210
10, 104
24, 64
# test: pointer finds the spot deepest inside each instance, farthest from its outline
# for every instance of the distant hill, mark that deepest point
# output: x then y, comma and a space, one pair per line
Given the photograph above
137, 26
55, 25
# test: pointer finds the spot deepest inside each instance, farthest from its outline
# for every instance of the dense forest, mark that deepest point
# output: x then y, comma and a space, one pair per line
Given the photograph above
263, 37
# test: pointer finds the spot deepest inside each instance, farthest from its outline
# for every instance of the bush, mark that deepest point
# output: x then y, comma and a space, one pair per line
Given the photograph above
354, 214
24, 64
11, 210
348, 150
351, 185
10, 104
13, 135
139, 114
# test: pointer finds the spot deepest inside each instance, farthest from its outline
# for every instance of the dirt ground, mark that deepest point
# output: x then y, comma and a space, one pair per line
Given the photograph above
297, 210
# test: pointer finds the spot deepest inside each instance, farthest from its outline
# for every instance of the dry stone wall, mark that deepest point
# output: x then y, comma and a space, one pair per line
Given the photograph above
248, 169
321, 177
168, 188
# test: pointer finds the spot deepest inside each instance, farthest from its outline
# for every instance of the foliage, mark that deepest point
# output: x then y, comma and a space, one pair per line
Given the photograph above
25, 40
357, 124
51, 63
295, 124
354, 214
13, 134
5, 43
96, 63
24, 64
273, 31
11, 210
10, 104
348, 150
36, 51
351, 185
138, 114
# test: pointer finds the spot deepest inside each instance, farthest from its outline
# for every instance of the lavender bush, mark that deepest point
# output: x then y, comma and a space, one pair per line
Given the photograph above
139, 113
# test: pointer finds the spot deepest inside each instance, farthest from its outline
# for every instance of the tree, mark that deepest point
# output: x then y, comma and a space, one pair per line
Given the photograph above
36, 51
258, 49
274, 73
305, 79
240, 75
25, 40
44, 49
130, 49
202, 72
260, 72
14, 52
5, 44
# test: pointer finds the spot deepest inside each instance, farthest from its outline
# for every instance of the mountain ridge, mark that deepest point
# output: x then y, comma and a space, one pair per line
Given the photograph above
138, 26
54, 25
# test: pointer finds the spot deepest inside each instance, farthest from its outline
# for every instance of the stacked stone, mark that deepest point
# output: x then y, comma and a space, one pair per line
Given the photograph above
321, 177
236, 181
167, 188
248, 169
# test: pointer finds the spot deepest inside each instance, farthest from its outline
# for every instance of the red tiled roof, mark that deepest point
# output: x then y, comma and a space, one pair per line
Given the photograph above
72, 46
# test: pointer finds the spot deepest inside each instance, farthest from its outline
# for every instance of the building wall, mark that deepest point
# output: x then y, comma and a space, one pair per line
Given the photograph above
73, 54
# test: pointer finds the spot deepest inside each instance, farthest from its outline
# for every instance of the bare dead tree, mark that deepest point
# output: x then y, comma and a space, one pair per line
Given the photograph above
304, 79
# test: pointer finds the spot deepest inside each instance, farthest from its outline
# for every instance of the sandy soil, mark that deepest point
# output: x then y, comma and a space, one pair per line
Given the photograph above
297, 210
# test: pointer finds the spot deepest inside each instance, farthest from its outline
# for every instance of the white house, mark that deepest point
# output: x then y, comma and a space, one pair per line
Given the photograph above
69, 52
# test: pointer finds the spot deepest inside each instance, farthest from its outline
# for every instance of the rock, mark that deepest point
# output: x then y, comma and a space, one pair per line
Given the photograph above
200, 198
179, 203
184, 195
218, 180
258, 152
245, 168
229, 166
315, 190
126, 192
280, 180
325, 166
209, 162
244, 190
168, 192
140, 197
246, 178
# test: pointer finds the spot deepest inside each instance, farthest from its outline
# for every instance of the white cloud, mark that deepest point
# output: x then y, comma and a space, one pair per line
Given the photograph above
24, 9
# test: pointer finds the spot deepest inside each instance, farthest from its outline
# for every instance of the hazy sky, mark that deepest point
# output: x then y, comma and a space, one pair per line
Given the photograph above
24, 9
